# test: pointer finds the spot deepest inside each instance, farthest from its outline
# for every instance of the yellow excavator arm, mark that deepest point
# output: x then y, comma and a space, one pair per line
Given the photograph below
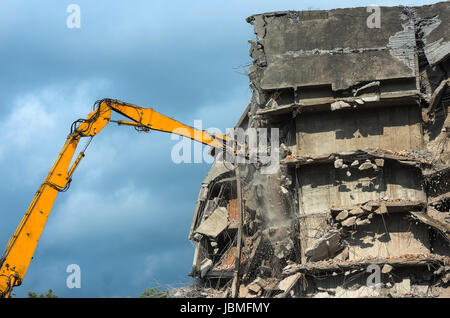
16, 258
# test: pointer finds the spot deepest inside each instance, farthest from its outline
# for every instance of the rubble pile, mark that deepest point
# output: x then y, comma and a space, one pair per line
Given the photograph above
363, 186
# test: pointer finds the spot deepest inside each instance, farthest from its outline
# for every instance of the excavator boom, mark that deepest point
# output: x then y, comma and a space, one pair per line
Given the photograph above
16, 258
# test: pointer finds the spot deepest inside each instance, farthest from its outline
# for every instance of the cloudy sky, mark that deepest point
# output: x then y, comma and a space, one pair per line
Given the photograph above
126, 217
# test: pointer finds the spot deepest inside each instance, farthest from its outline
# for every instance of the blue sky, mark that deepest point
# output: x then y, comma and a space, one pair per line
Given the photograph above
126, 217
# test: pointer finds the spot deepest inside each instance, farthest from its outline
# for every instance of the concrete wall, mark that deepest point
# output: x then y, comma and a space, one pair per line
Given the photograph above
334, 47
322, 186
395, 128
388, 235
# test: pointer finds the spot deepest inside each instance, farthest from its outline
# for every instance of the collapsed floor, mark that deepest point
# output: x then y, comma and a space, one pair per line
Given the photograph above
365, 162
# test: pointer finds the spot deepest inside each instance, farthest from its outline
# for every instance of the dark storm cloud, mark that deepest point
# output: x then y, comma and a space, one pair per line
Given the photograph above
153, 54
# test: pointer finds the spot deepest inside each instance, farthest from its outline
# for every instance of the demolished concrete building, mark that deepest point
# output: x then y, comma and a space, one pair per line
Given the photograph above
363, 182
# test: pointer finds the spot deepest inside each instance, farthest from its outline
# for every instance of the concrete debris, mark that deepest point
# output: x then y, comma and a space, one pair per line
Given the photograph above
210, 207
356, 211
364, 169
339, 105
215, 224
321, 295
254, 288
338, 163
343, 255
401, 261
284, 190
366, 165
243, 292
446, 279
205, 266
325, 247
442, 227
282, 247
437, 95
288, 283
379, 162
386, 269
362, 222
382, 209
366, 87
404, 287
349, 222
342, 215
259, 282
374, 98
434, 31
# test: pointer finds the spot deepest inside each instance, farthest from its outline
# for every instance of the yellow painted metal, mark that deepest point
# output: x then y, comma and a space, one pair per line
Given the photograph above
21, 246
16, 258
147, 117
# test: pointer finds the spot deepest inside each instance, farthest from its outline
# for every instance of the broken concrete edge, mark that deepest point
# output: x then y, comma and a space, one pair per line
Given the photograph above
443, 229
250, 19
406, 98
243, 117
366, 211
215, 224
439, 200
327, 246
271, 287
217, 172
415, 209
287, 284
392, 206
437, 95
434, 27
394, 261
424, 25
406, 157
432, 179
252, 257
434, 174
265, 287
